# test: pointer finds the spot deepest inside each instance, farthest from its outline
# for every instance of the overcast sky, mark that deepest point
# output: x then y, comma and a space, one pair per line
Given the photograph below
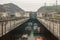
30, 5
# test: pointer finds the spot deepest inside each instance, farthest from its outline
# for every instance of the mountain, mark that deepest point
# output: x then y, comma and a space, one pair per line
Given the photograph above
12, 8
49, 8
2, 9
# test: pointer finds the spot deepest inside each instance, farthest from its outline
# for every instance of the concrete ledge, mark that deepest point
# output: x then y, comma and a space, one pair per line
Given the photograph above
51, 28
13, 26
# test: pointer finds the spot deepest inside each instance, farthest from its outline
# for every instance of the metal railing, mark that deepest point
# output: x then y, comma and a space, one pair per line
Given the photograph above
9, 24
52, 25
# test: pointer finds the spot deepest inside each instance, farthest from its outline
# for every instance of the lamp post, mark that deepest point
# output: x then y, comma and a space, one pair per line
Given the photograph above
56, 2
56, 5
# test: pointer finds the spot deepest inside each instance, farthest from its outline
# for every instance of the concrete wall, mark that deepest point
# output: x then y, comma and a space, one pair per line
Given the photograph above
53, 25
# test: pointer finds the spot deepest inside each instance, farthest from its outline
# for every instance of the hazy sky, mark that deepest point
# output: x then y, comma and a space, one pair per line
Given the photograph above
30, 5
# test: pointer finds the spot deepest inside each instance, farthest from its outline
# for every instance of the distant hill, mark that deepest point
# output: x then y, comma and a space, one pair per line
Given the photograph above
12, 8
49, 8
2, 9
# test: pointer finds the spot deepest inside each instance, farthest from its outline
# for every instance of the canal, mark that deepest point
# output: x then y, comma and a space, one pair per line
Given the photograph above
30, 30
